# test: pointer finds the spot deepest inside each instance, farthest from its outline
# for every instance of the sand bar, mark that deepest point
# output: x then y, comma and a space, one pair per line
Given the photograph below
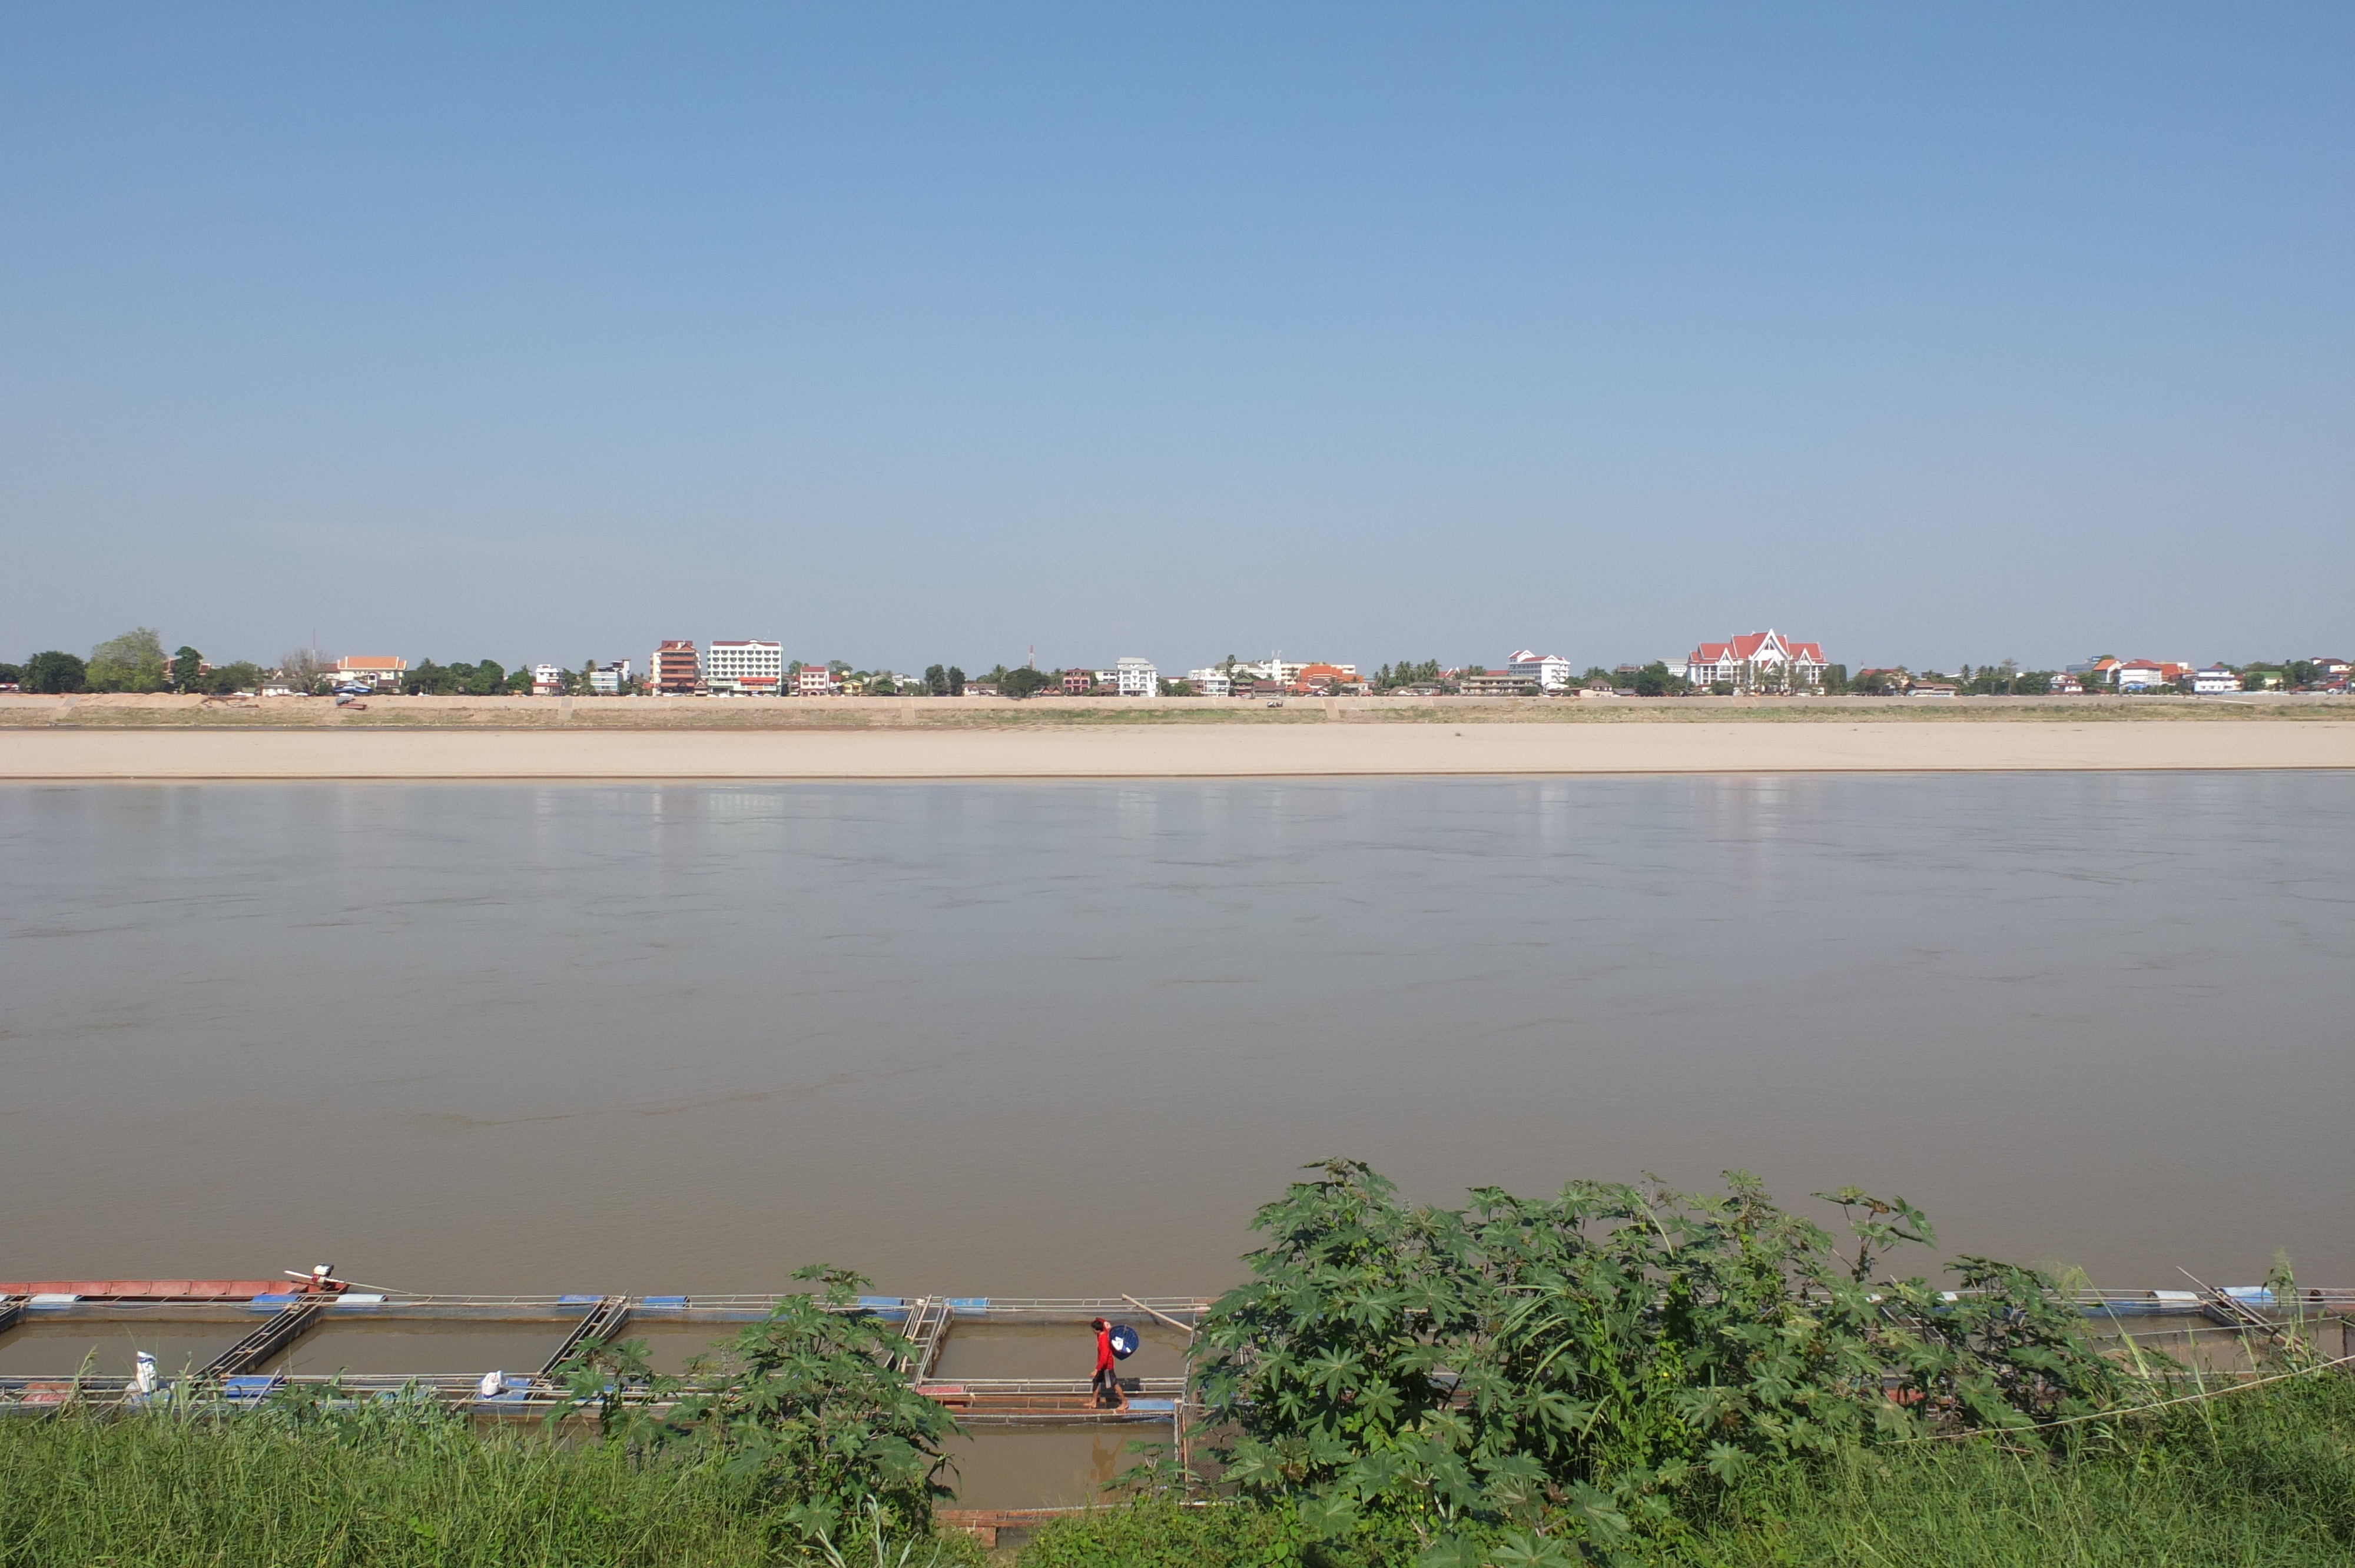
1141, 751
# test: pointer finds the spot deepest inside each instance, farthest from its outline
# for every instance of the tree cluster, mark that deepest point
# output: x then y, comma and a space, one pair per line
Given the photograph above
133, 661
1657, 680
2004, 680
486, 678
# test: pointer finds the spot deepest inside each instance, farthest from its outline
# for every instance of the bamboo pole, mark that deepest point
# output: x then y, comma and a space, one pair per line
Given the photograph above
1185, 1328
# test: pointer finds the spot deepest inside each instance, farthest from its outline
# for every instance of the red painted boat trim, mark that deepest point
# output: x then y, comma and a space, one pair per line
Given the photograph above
157, 1289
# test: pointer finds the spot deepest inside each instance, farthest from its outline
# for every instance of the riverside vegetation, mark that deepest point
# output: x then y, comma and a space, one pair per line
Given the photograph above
1614, 1374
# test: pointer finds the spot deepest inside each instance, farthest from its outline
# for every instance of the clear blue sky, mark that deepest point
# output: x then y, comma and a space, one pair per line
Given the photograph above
908, 333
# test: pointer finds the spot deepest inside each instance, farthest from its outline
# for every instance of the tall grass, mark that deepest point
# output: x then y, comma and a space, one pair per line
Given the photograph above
2254, 1479
164, 1490
2260, 1479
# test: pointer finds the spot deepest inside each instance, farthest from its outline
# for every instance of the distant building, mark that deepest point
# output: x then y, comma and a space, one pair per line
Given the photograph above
735, 667
2094, 673
2138, 675
1212, 682
1494, 683
813, 681
1324, 678
1757, 661
675, 670
2066, 684
607, 679
2215, 679
1137, 678
547, 680
1550, 672
1079, 683
381, 673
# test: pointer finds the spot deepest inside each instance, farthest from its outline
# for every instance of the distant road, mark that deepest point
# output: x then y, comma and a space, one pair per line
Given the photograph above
1165, 752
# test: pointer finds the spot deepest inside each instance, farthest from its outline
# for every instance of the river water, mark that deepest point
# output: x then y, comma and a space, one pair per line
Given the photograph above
1027, 1039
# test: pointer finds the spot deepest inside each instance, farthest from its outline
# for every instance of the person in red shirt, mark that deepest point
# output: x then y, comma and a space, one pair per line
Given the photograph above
1106, 1382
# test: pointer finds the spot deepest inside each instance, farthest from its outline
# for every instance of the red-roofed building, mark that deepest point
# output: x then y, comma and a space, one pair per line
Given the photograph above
1757, 661
677, 669
1321, 678
382, 672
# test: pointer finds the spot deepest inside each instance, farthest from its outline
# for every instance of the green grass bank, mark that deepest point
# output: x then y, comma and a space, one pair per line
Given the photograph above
2259, 1478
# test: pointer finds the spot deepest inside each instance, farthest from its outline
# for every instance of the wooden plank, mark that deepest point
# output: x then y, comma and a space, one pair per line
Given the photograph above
604, 1319
284, 1327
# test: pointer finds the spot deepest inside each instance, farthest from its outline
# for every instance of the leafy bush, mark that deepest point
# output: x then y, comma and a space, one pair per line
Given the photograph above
808, 1404
1571, 1367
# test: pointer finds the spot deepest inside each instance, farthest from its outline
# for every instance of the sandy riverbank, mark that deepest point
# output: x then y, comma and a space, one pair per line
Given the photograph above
1163, 751
166, 711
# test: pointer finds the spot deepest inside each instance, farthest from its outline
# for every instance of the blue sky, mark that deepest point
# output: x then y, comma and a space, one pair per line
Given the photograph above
909, 333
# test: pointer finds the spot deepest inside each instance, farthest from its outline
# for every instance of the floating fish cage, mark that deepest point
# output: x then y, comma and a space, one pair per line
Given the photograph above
992, 1361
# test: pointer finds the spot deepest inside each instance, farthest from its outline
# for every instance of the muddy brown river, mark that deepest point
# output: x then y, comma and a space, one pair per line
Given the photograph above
1035, 1040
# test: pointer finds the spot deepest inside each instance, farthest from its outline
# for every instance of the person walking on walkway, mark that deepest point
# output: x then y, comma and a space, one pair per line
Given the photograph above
1106, 1381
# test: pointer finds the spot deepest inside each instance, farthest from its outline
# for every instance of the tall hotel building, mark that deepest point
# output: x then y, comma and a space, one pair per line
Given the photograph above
733, 667
673, 671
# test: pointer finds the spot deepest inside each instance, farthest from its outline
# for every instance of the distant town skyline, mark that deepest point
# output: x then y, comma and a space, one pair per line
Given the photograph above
907, 335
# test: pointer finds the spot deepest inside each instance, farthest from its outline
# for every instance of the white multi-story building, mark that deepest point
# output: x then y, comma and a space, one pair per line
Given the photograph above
1137, 678
547, 680
607, 679
815, 681
1211, 682
1551, 672
737, 667
1757, 661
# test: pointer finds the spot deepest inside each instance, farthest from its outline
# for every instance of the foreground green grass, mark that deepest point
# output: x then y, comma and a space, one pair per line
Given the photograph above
2256, 1480
156, 1491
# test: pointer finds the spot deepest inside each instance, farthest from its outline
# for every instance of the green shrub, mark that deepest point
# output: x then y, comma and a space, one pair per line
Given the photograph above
809, 1405
1581, 1368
